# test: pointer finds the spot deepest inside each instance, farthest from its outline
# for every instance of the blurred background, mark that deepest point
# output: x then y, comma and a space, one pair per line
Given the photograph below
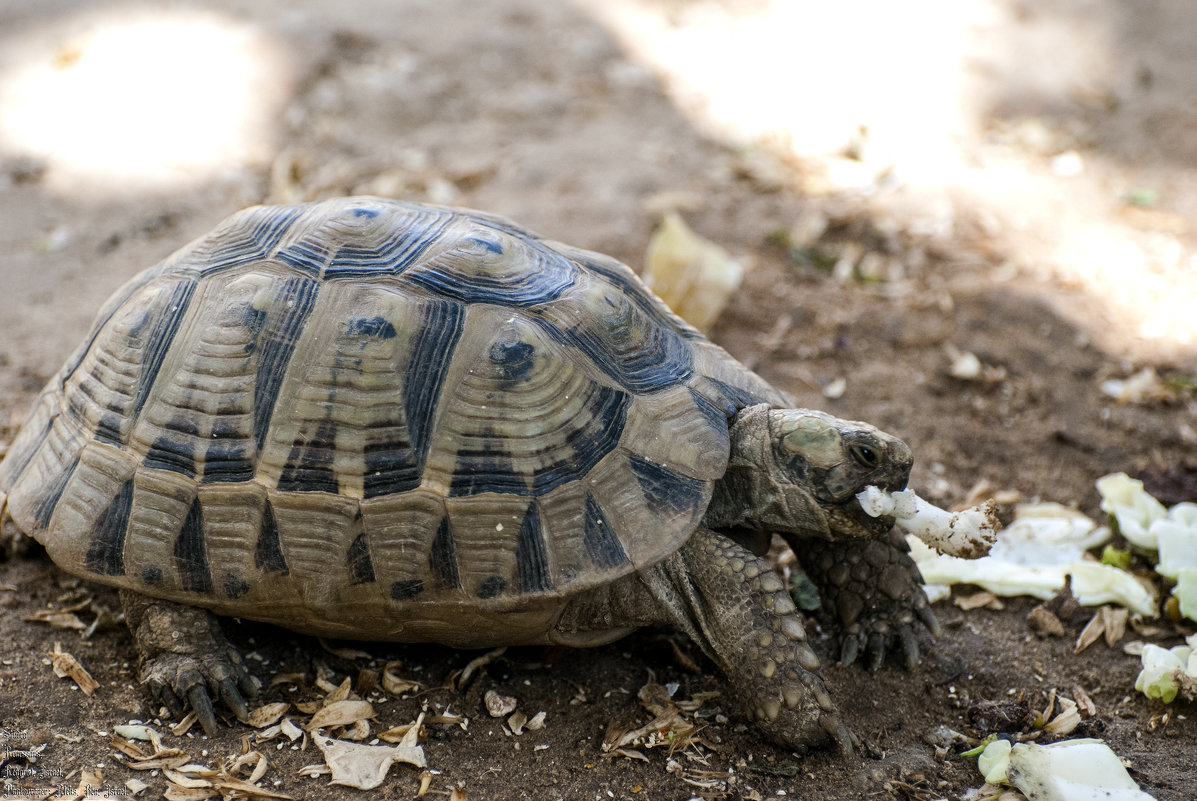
970, 222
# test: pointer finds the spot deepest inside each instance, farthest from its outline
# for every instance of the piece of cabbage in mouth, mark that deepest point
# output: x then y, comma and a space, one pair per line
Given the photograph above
968, 534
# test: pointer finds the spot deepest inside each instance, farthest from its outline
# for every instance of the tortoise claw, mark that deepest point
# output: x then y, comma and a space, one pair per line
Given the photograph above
202, 704
910, 647
849, 650
876, 651
231, 696
928, 619
162, 691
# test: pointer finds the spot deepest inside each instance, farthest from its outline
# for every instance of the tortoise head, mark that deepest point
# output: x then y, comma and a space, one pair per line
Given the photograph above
797, 472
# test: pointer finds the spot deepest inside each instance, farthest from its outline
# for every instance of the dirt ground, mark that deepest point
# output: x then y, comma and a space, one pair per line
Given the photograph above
1012, 180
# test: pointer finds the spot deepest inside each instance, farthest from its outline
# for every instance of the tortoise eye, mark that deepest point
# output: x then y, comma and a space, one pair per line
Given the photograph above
865, 456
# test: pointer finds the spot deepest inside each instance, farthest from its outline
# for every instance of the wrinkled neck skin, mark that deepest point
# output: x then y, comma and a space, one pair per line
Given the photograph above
754, 494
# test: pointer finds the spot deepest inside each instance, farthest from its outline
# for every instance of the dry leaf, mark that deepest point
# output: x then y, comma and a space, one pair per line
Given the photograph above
395, 734
344, 653
136, 786
267, 714
127, 748
1066, 721
499, 705
425, 783
365, 766
169, 758
58, 619
979, 599
338, 693
290, 730
341, 713
228, 785
459, 680
393, 684
694, 276
182, 727
66, 665
176, 793
1084, 703
185, 781
1091, 633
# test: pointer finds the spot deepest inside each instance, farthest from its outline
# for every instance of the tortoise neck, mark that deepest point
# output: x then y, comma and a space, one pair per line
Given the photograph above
749, 471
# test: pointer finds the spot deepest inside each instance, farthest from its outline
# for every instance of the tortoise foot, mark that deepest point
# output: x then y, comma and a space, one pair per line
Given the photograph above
186, 661
872, 592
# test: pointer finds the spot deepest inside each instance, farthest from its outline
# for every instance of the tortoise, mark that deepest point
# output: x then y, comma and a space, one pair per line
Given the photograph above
378, 420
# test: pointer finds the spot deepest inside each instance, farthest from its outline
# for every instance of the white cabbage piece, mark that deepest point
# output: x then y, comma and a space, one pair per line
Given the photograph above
1133, 508
1045, 544
1071, 770
1158, 678
968, 534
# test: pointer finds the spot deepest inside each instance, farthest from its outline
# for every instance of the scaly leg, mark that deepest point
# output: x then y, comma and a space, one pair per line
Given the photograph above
186, 659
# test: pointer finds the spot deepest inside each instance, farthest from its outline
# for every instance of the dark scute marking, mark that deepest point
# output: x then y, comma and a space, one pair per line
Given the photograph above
364, 212
646, 301
51, 495
377, 327
736, 398
396, 253
531, 558
491, 245
547, 275
716, 417
442, 559
491, 587
268, 553
303, 257
276, 344
406, 589
106, 554
488, 468
513, 360
390, 465
253, 245
309, 466
173, 453
642, 358
108, 429
151, 576
191, 556
432, 350
357, 559
226, 463
602, 544
160, 338
235, 586
665, 489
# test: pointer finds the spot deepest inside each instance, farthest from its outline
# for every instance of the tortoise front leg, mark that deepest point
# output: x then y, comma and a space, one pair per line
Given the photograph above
185, 659
736, 608
872, 594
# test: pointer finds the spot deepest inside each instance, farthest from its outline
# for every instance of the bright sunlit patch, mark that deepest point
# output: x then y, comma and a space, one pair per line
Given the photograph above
150, 100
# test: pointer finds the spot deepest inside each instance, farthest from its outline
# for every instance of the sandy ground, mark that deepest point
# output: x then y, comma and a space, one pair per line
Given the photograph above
1012, 180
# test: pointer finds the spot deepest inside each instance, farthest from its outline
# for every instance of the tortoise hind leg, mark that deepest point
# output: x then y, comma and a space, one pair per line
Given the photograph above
734, 606
185, 659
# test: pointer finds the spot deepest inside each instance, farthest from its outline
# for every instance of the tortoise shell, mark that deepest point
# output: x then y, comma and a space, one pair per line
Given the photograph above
377, 419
